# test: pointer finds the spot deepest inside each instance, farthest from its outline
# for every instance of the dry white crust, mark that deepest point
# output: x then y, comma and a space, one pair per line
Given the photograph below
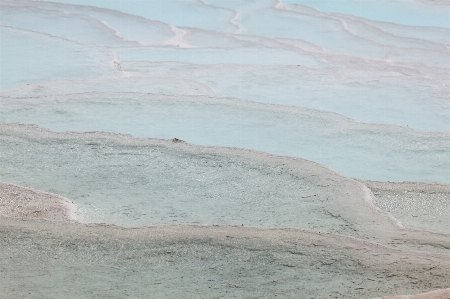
17, 201
437, 294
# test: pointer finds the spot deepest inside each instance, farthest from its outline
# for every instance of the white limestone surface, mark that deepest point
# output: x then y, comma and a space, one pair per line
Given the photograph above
358, 86
52, 259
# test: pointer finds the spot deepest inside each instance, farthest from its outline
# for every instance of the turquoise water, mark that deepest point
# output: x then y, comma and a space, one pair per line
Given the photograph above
29, 57
359, 86
376, 152
411, 13
186, 13
242, 91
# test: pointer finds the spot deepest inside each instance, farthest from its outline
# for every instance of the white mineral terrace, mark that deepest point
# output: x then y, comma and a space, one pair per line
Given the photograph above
225, 149
216, 260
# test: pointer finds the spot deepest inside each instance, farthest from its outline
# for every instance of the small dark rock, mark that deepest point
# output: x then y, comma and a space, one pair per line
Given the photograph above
176, 140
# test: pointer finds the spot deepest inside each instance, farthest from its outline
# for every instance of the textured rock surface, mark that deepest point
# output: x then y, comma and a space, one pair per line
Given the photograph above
17, 201
52, 259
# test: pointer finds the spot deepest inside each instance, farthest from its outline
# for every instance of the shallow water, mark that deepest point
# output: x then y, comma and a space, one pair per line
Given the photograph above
404, 81
132, 184
165, 70
355, 149
358, 86
25, 59
413, 13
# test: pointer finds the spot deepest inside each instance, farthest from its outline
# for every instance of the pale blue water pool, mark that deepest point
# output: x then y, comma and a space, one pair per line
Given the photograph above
359, 86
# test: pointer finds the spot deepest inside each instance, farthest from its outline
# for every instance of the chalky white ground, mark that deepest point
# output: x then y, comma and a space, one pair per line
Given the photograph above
185, 260
17, 201
436, 294
417, 205
355, 91
367, 254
